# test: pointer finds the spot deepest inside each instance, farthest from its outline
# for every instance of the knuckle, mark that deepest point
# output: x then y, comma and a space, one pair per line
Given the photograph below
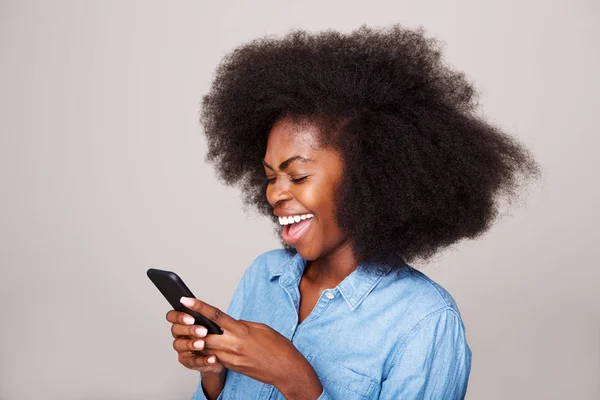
217, 314
235, 361
238, 348
245, 331
188, 360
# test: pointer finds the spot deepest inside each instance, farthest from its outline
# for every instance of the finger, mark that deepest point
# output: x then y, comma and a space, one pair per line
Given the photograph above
178, 317
200, 362
220, 357
227, 342
178, 330
183, 344
212, 313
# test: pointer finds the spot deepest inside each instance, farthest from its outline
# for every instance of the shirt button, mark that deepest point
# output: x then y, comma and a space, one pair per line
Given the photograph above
329, 295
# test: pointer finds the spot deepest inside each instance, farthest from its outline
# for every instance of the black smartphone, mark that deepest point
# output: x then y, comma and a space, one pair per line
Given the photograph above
173, 288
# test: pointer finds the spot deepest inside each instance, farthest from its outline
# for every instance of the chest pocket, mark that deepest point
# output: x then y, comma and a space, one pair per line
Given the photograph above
342, 383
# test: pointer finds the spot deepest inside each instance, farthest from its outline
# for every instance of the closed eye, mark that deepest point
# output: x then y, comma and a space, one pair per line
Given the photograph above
294, 180
298, 180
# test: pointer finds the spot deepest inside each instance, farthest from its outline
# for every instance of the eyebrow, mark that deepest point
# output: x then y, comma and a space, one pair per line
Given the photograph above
283, 166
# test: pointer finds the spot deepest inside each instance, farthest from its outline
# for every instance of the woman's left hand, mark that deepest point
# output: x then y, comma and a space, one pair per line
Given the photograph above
249, 348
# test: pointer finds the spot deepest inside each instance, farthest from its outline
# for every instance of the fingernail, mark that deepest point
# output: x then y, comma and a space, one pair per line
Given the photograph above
188, 320
201, 331
186, 301
211, 360
199, 344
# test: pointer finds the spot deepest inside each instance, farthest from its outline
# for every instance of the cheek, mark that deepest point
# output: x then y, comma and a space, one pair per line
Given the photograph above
316, 198
309, 197
320, 201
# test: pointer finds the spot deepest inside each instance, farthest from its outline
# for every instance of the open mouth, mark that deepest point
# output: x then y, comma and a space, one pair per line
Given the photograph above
293, 232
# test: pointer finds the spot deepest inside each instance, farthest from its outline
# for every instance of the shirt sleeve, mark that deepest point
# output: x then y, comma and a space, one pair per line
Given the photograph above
234, 310
433, 363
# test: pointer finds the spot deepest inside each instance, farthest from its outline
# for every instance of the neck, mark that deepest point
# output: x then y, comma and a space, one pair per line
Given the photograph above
329, 270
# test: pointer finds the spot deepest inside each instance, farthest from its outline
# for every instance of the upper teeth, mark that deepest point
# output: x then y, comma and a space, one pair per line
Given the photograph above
294, 218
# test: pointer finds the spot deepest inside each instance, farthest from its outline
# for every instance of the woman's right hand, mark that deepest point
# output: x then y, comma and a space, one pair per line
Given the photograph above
188, 344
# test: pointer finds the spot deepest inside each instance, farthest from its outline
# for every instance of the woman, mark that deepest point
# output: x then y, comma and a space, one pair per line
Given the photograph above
366, 152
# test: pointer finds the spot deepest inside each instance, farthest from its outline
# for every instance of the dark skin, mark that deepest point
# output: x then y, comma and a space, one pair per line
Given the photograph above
254, 349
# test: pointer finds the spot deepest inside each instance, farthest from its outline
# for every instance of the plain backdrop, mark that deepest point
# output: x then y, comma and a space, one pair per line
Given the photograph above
102, 175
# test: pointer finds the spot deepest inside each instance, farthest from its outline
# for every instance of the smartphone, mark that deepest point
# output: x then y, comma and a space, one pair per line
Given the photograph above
173, 288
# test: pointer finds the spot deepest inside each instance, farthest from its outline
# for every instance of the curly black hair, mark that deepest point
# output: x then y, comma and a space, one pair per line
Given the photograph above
421, 169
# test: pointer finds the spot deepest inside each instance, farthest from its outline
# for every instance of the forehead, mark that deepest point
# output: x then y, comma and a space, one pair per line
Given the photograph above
289, 138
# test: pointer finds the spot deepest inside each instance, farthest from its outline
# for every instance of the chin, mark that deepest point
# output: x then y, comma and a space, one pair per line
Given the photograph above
307, 253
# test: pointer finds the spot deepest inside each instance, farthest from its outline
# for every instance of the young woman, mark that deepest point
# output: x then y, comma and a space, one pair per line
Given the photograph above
367, 153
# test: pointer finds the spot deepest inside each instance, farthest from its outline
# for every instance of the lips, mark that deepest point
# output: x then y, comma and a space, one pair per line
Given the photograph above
293, 233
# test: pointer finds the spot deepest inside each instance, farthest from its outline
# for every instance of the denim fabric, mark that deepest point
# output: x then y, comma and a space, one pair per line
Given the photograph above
389, 335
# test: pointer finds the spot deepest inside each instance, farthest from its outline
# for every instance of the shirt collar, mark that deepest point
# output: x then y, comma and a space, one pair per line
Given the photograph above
354, 288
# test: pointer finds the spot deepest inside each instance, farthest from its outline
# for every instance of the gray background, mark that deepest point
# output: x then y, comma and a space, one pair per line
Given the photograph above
102, 176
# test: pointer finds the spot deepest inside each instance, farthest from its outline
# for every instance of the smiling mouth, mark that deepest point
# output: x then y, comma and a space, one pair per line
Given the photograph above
292, 233
287, 220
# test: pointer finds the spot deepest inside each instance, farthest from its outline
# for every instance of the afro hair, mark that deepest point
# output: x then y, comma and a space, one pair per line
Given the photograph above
421, 169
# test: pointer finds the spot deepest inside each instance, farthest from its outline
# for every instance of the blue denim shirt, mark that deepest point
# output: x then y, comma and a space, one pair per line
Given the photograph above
389, 335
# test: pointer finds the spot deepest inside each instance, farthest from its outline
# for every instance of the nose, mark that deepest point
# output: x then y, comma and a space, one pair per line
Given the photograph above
278, 192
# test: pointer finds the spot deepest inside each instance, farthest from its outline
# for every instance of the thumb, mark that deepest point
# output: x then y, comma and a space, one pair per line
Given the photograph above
209, 364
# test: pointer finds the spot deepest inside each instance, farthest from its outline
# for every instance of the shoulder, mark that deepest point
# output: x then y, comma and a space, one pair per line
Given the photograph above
438, 295
417, 296
429, 314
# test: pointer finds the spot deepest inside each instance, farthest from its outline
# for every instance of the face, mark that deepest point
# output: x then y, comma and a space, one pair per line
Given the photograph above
301, 181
